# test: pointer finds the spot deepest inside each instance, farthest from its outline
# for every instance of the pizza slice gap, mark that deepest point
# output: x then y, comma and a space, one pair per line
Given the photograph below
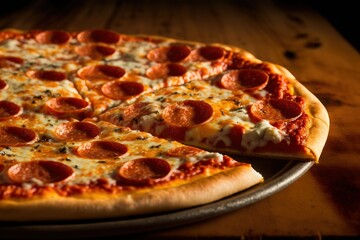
100, 170
235, 113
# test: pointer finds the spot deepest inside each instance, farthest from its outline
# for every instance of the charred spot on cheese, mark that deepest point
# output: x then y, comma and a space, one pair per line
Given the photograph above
161, 99
141, 138
46, 138
155, 146
63, 149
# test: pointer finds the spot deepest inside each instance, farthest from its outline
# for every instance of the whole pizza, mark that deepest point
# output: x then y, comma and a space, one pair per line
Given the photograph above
98, 124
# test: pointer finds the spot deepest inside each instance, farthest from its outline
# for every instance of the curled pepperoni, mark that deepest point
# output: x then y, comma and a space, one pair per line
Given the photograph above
77, 131
53, 37
47, 75
212, 53
275, 110
101, 72
121, 90
246, 79
9, 109
95, 51
184, 151
101, 149
143, 170
163, 70
16, 136
44, 171
188, 113
178, 53
68, 107
101, 35
8, 61
175, 53
158, 54
3, 84
135, 110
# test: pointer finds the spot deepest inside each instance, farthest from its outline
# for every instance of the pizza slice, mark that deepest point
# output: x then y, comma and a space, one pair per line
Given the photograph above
99, 170
244, 111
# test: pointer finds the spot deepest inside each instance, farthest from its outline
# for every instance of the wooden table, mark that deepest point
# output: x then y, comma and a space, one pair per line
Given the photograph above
324, 202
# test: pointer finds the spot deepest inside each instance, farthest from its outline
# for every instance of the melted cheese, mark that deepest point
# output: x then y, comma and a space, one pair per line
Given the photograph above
228, 112
131, 56
261, 134
88, 171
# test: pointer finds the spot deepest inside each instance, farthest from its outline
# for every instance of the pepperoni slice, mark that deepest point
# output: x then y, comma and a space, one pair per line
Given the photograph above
47, 75
101, 35
53, 37
68, 107
9, 109
212, 53
16, 136
44, 171
77, 131
188, 113
135, 110
143, 170
16, 60
95, 51
8, 61
3, 84
121, 90
175, 53
246, 79
175, 69
161, 71
1, 167
184, 151
178, 53
275, 110
101, 72
158, 54
101, 149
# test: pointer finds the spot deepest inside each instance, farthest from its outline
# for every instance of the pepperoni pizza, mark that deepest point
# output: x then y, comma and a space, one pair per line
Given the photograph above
97, 124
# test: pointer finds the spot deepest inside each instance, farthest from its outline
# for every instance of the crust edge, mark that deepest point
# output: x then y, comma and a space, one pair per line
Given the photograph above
100, 205
320, 122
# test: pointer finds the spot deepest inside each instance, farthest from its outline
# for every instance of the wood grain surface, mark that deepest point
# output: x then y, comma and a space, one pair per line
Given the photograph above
325, 202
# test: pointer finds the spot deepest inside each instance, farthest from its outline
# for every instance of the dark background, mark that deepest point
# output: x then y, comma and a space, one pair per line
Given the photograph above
343, 15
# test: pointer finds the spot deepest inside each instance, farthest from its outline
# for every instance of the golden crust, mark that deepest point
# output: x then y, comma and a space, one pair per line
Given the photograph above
192, 193
320, 122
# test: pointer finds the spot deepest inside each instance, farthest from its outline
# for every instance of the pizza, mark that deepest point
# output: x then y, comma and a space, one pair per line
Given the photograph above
97, 124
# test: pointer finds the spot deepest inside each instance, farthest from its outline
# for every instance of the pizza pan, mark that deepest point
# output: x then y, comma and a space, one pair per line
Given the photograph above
277, 174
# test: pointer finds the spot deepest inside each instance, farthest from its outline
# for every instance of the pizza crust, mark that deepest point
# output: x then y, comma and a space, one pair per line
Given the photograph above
320, 122
98, 205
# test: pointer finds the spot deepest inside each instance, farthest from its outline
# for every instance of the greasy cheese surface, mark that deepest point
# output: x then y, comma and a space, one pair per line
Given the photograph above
31, 94
88, 170
229, 110
129, 55
19, 59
